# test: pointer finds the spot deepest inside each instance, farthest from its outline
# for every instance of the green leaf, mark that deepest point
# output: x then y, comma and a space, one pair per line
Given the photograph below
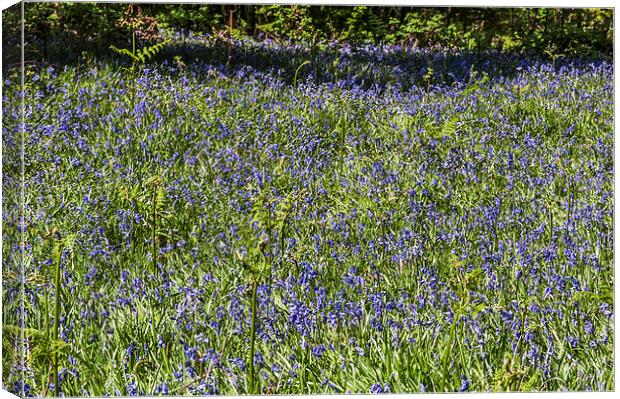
478, 309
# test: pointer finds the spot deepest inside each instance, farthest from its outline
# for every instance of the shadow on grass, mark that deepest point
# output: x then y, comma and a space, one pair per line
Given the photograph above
342, 65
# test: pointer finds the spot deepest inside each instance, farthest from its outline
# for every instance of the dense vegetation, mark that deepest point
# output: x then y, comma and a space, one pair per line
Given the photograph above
215, 214
439, 238
62, 31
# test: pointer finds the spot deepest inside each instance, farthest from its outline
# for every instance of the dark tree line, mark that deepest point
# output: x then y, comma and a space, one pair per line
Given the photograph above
69, 29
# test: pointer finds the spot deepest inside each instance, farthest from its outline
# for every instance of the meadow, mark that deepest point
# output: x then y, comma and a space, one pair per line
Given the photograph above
360, 219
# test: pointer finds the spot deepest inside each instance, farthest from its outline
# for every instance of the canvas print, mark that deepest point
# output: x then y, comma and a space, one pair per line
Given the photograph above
225, 199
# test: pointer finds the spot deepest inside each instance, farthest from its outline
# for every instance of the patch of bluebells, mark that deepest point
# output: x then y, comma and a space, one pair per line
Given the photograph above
380, 388
480, 207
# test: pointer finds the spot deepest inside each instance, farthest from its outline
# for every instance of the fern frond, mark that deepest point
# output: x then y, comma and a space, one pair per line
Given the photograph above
260, 212
124, 51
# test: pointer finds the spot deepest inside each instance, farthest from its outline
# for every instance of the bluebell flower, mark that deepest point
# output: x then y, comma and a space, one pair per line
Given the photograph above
318, 350
378, 388
464, 384
132, 389
588, 327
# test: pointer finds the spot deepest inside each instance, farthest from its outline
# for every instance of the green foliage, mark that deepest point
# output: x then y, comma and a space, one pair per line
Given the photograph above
136, 23
190, 17
70, 28
258, 258
363, 25
292, 22
141, 55
65, 244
